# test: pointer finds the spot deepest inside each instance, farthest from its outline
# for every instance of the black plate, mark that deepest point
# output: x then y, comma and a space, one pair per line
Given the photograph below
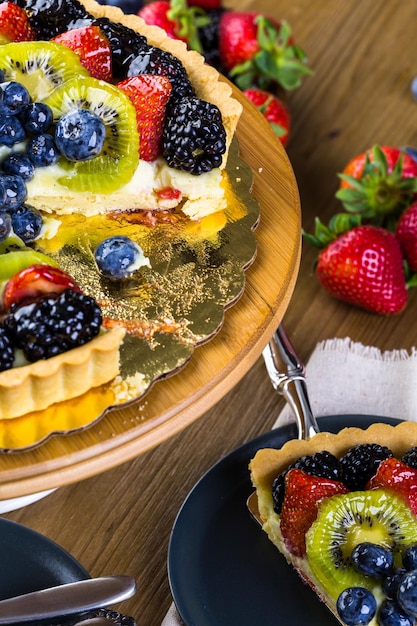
222, 568
32, 562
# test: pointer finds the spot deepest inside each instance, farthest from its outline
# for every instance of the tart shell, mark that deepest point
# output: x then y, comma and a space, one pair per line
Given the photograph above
36, 386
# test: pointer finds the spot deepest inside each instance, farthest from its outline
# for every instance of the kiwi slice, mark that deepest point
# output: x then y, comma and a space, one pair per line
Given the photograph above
346, 520
40, 66
118, 160
17, 260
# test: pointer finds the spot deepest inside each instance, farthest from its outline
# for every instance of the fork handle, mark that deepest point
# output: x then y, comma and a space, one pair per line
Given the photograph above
287, 374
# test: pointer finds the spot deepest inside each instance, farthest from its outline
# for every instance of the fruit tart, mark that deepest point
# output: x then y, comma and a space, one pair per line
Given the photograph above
342, 510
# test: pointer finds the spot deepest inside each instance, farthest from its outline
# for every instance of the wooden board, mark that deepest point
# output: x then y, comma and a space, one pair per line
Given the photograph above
216, 367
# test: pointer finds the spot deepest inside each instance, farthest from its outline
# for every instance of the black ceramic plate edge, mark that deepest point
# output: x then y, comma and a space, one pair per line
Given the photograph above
31, 561
222, 569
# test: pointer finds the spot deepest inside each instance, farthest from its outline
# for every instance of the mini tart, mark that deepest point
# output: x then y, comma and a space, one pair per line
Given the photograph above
36, 386
268, 463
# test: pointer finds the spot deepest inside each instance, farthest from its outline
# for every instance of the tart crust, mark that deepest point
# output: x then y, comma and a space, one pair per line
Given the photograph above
268, 463
36, 386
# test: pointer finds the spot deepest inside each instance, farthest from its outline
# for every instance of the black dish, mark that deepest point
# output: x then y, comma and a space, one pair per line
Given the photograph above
32, 562
222, 569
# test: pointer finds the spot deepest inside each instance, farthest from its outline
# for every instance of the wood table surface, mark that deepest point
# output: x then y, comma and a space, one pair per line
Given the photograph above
364, 56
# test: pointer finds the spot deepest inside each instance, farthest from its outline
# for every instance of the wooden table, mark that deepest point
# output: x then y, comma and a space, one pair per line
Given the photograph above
364, 58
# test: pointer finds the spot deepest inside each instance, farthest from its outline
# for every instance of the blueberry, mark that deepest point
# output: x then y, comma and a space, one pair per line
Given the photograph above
391, 614
42, 150
407, 592
391, 582
356, 606
372, 559
118, 257
80, 135
414, 87
410, 557
11, 130
27, 223
15, 98
5, 226
19, 164
36, 118
15, 192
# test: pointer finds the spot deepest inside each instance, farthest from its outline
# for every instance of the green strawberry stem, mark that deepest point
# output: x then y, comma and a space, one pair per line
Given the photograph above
189, 20
378, 194
323, 235
277, 60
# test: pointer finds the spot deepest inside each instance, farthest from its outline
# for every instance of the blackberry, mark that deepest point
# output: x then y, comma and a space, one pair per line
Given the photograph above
322, 464
410, 457
151, 60
209, 38
49, 18
54, 325
125, 45
6, 351
194, 138
361, 462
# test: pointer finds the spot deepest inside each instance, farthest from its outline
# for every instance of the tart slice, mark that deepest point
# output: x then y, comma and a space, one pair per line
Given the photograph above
342, 510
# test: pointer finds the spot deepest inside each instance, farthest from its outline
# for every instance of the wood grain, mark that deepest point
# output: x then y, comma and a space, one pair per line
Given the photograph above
364, 55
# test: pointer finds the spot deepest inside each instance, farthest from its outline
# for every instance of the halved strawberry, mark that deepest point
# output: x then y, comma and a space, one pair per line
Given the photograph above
149, 94
93, 48
34, 281
14, 24
303, 494
399, 477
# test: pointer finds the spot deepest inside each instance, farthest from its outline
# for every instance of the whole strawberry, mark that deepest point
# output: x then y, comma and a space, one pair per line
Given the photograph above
363, 266
256, 50
274, 110
379, 184
406, 233
303, 494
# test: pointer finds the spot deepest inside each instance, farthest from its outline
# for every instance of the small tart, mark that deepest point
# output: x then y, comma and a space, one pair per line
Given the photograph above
268, 463
36, 386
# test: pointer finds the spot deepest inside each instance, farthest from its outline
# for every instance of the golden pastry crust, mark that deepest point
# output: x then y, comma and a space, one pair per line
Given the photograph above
36, 386
206, 80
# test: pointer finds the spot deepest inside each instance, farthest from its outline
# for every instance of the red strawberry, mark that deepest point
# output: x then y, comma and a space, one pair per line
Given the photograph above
93, 48
362, 266
379, 182
258, 50
303, 494
207, 5
399, 477
149, 95
34, 281
406, 233
178, 19
14, 24
274, 110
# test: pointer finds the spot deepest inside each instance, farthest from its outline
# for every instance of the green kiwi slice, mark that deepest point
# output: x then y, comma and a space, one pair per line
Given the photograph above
346, 520
40, 66
13, 262
118, 160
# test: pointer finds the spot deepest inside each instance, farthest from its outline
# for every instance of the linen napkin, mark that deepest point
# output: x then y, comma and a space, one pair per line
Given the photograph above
344, 377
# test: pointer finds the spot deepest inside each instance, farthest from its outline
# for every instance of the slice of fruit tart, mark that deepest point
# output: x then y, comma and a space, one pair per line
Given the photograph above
99, 114
342, 510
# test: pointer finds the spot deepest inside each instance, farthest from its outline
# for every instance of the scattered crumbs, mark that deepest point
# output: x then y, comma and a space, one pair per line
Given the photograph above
128, 388
260, 170
238, 180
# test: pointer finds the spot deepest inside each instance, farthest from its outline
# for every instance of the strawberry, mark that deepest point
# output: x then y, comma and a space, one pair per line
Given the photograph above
361, 265
378, 183
258, 50
177, 19
149, 95
93, 48
14, 24
34, 281
273, 109
207, 5
406, 233
399, 477
303, 494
